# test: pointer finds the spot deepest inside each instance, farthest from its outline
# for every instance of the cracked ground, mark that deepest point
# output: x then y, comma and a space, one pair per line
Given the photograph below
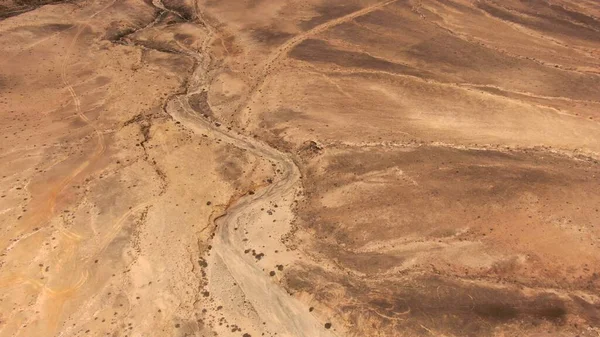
300, 168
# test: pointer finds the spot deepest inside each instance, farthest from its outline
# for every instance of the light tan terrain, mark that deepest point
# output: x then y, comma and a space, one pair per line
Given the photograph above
300, 168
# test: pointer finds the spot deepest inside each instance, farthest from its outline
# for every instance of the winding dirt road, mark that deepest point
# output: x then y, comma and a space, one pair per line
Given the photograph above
272, 61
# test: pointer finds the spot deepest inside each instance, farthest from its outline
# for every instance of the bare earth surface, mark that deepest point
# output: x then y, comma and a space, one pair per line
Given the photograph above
300, 168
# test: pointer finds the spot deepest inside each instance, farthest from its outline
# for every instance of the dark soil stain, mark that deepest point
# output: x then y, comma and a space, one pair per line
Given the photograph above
23, 6
313, 50
327, 13
443, 305
199, 102
270, 36
546, 23
183, 8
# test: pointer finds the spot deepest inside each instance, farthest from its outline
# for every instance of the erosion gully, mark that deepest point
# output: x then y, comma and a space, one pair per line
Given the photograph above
250, 298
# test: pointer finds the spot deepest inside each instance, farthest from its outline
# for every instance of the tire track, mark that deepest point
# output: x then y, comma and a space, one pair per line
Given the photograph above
271, 62
53, 299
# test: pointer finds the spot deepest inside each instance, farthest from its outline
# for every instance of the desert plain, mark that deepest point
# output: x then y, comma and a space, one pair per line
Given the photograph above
299, 168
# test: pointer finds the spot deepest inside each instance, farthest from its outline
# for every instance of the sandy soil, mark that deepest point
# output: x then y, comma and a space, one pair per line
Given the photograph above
300, 168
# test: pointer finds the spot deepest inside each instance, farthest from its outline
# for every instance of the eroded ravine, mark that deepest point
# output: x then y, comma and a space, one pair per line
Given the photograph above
240, 286
247, 294
272, 308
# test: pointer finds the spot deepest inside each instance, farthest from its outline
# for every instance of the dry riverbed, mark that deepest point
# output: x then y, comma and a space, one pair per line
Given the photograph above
299, 168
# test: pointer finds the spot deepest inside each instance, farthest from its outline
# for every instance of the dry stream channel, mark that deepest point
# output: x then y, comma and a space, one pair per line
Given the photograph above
237, 281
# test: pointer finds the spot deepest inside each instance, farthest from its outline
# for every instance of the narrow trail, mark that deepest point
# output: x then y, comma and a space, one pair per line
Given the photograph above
53, 297
47, 211
100, 143
271, 62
